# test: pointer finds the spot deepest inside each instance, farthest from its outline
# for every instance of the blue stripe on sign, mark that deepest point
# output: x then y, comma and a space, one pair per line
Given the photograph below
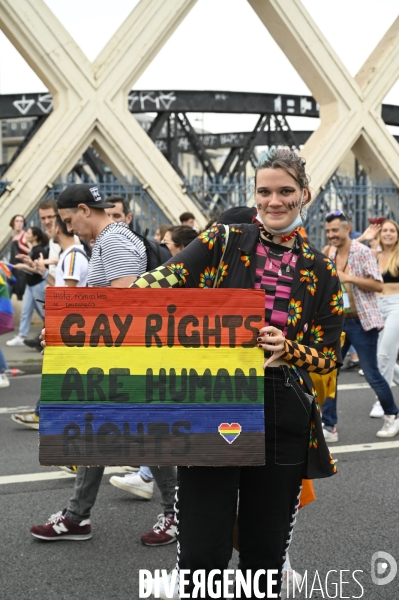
201, 418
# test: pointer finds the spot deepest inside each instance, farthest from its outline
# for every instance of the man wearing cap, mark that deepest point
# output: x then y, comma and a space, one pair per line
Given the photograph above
361, 279
118, 258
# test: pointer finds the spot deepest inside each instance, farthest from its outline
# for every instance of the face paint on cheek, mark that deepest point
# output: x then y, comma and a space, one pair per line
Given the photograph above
294, 204
258, 206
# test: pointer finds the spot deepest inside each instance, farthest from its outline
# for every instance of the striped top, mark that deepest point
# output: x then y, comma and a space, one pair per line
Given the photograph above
117, 252
275, 267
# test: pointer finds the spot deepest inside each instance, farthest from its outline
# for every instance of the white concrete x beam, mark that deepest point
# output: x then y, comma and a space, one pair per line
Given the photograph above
350, 108
90, 103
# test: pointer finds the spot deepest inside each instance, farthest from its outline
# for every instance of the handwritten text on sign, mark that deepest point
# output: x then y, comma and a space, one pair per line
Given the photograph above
154, 377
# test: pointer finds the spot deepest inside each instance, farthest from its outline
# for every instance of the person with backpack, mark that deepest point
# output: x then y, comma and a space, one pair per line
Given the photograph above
156, 253
118, 258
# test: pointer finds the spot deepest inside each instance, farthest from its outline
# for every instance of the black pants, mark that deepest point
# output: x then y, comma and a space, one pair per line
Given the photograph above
268, 495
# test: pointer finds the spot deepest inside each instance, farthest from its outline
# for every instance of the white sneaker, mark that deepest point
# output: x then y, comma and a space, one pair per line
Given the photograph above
390, 427
377, 411
17, 340
133, 484
330, 436
291, 583
4, 380
361, 372
174, 595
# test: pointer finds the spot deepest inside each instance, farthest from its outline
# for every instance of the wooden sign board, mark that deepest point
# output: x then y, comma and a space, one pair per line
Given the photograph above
152, 377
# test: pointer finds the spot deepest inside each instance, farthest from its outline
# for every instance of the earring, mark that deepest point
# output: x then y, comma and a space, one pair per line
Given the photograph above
303, 211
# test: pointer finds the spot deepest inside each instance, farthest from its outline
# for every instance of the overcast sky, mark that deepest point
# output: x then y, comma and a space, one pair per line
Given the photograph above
221, 45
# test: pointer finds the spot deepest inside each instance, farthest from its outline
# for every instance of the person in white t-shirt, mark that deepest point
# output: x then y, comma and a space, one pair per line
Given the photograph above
71, 270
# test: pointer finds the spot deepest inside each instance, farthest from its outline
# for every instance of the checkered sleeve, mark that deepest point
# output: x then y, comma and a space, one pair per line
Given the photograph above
161, 277
308, 358
314, 344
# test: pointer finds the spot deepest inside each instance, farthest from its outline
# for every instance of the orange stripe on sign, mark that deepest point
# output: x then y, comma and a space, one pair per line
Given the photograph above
158, 318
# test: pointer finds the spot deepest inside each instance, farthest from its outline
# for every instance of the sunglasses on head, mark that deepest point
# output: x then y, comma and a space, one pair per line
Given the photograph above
337, 213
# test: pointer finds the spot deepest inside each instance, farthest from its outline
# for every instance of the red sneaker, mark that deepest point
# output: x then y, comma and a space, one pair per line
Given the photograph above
163, 533
59, 527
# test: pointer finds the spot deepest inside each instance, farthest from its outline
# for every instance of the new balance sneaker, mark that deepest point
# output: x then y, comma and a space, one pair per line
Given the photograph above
4, 380
59, 527
17, 340
377, 411
134, 484
172, 593
29, 419
390, 427
291, 583
71, 470
163, 532
330, 436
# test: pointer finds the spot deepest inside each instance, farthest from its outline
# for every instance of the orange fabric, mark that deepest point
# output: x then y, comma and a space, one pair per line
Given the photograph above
307, 493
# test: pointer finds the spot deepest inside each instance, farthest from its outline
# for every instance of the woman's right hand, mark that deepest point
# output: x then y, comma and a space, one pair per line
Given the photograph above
370, 233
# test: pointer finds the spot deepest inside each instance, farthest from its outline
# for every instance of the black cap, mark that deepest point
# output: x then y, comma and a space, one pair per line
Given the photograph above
237, 214
81, 193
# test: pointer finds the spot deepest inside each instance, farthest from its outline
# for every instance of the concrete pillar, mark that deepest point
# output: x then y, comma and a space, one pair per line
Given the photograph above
350, 107
90, 103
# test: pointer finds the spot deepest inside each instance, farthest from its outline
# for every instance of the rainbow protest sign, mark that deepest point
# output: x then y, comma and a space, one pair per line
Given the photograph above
152, 377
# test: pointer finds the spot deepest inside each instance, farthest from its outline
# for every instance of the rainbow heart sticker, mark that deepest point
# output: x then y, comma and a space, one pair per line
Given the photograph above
229, 432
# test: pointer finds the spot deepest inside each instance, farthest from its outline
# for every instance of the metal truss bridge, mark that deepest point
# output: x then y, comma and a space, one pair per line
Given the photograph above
173, 133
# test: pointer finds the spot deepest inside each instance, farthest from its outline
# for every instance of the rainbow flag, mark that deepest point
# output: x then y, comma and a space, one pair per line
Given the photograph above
6, 310
155, 377
7, 270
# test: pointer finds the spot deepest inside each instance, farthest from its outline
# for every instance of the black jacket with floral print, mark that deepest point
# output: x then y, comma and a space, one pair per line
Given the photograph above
315, 310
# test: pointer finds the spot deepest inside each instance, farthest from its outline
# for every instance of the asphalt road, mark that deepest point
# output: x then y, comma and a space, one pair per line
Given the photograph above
356, 515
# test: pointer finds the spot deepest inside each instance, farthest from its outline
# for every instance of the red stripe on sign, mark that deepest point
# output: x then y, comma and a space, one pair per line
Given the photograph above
175, 317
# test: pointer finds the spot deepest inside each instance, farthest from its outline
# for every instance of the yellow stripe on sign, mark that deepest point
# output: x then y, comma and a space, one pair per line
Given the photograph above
58, 359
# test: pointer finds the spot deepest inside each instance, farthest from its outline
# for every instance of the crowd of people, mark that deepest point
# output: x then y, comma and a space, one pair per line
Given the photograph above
312, 296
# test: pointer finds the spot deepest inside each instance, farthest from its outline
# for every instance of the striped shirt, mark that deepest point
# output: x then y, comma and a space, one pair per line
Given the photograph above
117, 252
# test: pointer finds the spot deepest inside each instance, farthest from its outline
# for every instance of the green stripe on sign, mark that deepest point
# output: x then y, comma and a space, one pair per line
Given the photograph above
186, 387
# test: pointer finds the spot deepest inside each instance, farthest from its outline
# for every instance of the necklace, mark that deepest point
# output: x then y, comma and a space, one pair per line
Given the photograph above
279, 256
270, 236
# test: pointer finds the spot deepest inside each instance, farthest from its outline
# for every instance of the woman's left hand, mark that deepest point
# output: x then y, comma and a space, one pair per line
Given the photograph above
272, 339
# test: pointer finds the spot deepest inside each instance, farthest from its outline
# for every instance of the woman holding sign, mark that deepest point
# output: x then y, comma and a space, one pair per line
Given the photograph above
303, 322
